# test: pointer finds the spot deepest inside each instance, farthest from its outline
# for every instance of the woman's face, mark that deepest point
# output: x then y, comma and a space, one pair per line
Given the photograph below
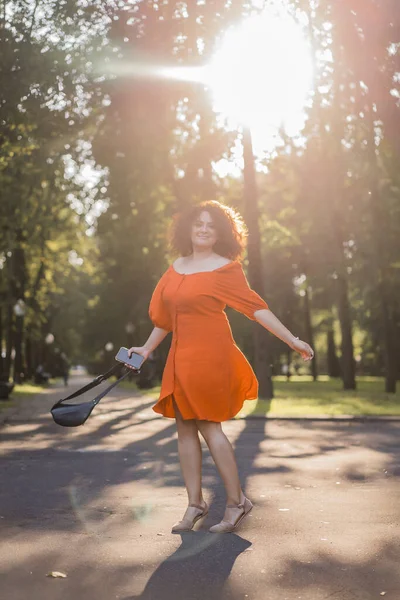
204, 234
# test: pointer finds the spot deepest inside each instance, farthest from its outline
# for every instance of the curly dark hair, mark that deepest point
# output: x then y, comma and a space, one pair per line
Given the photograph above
230, 228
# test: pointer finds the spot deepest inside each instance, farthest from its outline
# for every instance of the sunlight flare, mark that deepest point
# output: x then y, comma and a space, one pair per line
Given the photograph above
261, 76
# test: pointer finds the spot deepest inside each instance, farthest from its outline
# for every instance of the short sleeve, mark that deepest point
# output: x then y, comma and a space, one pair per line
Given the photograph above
231, 286
158, 311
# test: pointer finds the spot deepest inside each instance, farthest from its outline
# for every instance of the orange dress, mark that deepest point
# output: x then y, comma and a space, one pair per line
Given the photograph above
206, 373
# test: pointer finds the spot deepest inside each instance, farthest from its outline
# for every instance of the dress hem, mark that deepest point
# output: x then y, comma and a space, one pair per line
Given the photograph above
162, 412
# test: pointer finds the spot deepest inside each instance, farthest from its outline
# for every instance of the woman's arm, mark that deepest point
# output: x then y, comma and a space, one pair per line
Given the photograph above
154, 340
267, 319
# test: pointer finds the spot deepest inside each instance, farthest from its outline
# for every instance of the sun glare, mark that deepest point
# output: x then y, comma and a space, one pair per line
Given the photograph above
261, 76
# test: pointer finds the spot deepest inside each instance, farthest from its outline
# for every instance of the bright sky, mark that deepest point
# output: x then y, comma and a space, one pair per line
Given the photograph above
261, 77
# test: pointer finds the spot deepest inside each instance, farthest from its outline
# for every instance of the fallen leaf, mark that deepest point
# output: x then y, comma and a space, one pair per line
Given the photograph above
56, 574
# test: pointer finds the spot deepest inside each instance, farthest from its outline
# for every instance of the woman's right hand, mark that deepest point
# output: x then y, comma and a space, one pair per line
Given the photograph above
139, 350
304, 349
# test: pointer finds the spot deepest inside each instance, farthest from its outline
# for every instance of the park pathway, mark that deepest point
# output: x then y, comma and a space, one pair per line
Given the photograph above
97, 503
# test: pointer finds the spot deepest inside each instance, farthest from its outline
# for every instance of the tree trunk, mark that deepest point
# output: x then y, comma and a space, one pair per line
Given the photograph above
332, 359
309, 332
18, 341
262, 353
28, 357
396, 337
390, 364
378, 229
347, 360
331, 146
9, 342
336, 193
18, 282
1, 346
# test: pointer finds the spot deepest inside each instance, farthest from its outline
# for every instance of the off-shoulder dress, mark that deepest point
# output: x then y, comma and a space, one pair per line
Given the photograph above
206, 373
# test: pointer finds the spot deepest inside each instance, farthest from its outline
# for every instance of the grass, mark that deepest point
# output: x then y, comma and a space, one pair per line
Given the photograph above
299, 397
25, 390
302, 396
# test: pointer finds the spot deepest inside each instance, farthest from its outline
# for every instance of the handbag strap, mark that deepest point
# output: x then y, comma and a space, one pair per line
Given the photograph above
99, 379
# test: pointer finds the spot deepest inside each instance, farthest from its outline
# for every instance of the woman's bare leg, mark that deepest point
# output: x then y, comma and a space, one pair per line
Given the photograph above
190, 456
224, 457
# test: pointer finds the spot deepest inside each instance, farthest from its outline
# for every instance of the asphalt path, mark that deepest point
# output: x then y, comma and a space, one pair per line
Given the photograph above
97, 503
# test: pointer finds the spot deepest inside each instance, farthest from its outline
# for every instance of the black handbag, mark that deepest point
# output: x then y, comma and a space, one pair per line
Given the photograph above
72, 415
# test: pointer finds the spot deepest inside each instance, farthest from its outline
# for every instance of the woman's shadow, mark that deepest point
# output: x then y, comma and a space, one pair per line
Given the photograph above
198, 569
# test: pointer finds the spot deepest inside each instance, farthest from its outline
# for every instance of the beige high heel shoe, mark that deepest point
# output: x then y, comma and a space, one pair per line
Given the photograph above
187, 523
227, 526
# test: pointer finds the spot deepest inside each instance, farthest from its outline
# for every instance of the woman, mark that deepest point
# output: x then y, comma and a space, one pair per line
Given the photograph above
206, 377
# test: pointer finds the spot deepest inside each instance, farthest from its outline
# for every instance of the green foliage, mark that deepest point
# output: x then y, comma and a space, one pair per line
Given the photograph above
85, 257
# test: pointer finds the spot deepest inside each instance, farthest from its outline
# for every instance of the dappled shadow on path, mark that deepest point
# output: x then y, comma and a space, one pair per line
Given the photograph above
55, 480
358, 578
58, 467
66, 469
198, 569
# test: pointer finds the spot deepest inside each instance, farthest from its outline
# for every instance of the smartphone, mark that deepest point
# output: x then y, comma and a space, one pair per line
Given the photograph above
135, 361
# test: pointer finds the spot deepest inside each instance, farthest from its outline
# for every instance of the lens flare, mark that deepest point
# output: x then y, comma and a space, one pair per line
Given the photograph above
261, 76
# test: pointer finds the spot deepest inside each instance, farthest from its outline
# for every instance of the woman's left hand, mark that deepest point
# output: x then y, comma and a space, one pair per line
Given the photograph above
304, 349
